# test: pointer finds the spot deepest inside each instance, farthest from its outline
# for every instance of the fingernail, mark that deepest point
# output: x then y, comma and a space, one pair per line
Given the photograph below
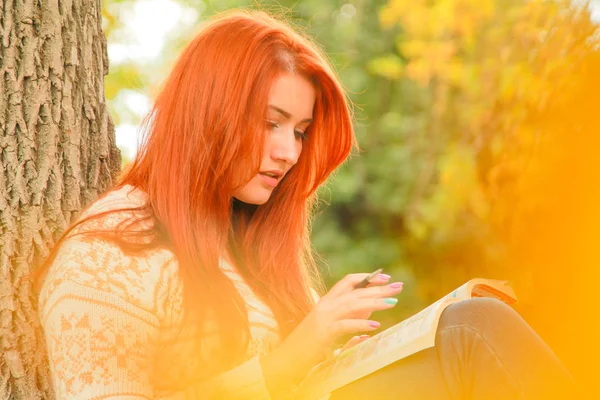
374, 324
364, 336
391, 300
396, 285
384, 277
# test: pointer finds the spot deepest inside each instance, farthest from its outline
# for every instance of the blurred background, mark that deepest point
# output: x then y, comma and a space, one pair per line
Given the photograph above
478, 127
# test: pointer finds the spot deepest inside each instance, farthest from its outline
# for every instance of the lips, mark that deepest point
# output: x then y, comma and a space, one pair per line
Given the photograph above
271, 178
273, 173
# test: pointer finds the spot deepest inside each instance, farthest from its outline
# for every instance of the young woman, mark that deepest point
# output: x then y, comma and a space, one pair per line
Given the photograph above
194, 278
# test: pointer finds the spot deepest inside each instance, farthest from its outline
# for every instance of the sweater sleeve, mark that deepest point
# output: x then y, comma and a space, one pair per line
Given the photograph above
244, 382
102, 324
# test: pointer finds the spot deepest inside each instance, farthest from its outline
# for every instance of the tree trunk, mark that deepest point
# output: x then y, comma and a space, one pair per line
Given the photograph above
58, 154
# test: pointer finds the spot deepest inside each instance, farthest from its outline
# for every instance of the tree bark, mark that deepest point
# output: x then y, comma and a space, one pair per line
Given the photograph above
58, 153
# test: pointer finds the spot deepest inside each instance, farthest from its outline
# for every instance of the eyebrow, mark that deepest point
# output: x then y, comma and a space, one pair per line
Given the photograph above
287, 114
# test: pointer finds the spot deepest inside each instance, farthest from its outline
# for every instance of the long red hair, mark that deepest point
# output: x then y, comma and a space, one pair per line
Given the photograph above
204, 138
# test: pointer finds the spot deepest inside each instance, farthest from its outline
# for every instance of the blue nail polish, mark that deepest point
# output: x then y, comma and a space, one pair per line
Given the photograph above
391, 300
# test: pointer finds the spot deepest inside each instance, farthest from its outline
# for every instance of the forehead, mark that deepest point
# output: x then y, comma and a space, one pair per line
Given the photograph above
293, 93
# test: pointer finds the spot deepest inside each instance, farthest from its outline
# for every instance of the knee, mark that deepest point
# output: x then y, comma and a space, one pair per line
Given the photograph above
483, 315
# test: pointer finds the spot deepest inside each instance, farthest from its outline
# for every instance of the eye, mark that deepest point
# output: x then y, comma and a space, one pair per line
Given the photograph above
301, 135
272, 124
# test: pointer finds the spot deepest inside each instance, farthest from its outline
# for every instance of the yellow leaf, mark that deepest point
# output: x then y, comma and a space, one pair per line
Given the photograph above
413, 48
389, 66
419, 71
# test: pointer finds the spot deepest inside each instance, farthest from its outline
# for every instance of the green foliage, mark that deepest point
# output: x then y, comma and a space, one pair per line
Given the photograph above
481, 74
444, 92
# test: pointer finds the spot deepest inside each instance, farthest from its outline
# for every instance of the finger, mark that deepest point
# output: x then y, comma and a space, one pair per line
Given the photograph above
354, 341
380, 291
380, 279
352, 326
348, 283
350, 306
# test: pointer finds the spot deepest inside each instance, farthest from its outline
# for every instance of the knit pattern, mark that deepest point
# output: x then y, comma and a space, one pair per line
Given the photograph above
107, 316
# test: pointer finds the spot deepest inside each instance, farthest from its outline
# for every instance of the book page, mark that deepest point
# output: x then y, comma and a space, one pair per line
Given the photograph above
399, 341
409, 336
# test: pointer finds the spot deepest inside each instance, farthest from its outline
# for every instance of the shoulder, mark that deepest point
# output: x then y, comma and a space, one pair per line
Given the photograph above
119, 197
92, 270
119, 205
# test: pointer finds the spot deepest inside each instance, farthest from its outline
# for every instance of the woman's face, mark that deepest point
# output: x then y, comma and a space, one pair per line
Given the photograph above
290, 110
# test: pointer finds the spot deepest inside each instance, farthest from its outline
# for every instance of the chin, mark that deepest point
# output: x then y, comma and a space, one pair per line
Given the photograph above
254, 193
258, 201
253, 198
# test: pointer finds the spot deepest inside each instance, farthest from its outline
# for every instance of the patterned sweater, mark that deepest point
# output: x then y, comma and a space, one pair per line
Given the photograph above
106, 316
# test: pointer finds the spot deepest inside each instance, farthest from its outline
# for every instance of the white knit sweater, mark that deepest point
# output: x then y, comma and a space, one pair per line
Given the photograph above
106, 316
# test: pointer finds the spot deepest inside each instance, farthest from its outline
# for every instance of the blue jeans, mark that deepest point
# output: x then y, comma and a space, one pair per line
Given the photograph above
483, 350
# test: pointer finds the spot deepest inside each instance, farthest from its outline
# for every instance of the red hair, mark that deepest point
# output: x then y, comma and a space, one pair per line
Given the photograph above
204, 137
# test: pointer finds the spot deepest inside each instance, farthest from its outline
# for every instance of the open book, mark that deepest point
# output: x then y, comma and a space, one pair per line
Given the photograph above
399, 341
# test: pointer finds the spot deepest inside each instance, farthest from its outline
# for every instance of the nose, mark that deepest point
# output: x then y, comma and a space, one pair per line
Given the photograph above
284, 146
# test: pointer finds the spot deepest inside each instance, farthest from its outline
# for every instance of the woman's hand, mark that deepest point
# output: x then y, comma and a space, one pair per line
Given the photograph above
353, 341
343, 310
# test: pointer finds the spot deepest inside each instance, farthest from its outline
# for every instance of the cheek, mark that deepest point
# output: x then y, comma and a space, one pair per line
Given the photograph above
299, 147
266, 150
